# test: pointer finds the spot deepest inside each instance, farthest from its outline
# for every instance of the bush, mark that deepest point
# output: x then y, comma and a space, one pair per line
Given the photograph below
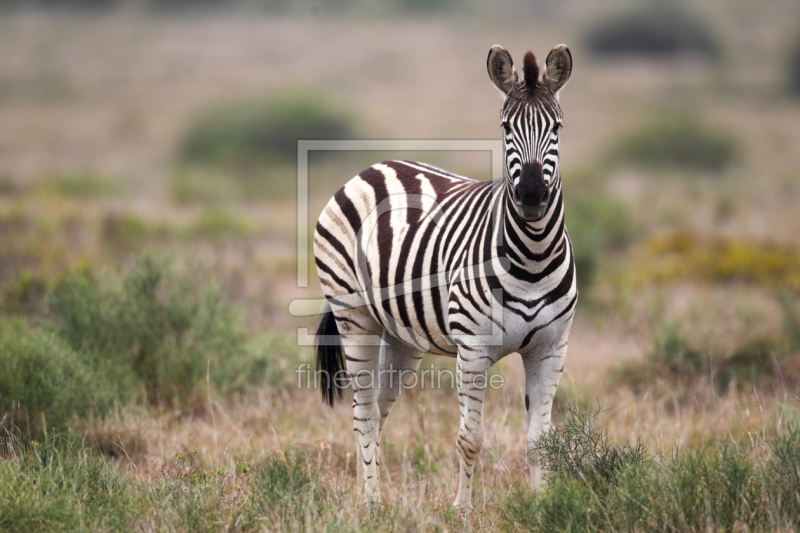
790, 304
155, 329
596, 485
578, 448
652, 32
124, 230
674, 359
79, 185
597, 224
253, 132
24, 295
44, 382
219, 225
682, 254
678, 142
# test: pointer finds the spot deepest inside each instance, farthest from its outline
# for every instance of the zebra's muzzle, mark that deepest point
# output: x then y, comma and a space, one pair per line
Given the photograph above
531, 194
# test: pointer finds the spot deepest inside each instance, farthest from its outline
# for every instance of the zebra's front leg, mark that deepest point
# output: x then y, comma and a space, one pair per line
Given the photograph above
542, 372
472, 377
362, 366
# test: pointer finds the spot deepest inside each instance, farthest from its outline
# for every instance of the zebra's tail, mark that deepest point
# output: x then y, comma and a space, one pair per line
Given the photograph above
330, 356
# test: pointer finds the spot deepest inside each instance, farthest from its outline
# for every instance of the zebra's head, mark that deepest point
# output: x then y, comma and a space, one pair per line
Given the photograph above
531, 120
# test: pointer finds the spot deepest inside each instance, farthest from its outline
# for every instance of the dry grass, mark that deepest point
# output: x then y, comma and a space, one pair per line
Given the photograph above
92, 110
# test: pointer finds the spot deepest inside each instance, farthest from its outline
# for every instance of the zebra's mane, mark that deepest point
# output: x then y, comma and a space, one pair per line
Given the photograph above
530, 69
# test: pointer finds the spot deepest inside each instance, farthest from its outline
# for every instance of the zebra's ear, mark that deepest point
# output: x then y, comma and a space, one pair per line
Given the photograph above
501, 69
558, 67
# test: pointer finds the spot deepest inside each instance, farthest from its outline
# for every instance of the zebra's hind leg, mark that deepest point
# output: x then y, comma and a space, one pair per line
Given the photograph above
472, 379
398, 367
361, 344
542, 373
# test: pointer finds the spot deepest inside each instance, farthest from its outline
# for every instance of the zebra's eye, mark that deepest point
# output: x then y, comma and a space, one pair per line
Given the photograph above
506, 128
556, 128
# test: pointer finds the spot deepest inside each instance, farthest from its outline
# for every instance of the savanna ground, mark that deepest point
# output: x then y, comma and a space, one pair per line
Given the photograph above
148, 258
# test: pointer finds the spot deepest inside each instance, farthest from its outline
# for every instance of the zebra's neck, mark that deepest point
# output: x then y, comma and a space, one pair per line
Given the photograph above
535, 241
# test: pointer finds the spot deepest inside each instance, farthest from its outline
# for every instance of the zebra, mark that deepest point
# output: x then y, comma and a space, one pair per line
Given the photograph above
414, 259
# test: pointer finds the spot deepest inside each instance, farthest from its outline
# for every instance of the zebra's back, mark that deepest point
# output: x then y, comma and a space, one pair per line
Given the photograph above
412, 223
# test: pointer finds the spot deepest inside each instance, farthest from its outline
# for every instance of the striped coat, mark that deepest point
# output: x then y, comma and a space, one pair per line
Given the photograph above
415, 259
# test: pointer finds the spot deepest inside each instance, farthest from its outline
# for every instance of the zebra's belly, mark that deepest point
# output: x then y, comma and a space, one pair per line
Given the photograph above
413, 319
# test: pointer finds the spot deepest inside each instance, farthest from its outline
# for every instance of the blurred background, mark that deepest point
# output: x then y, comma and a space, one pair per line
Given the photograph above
148, 186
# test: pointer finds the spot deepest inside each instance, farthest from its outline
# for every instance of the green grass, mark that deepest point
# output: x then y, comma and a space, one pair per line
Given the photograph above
57, 485
594, 484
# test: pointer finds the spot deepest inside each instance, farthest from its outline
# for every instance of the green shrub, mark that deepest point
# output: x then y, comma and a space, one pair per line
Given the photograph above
790, 304
652, 32
754, 360
673, 351
598, 224
124, 230
427, 6
219, 225
45, 383
79, 185
156, 329
676, 360
24, 295
725, 487
678, 142
578, 448
253, 132
564, 506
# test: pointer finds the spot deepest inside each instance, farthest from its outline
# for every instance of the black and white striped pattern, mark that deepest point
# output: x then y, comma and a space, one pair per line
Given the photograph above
428, 261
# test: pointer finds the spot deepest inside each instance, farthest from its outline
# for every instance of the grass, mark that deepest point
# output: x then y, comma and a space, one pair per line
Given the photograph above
594, 484
57, 484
